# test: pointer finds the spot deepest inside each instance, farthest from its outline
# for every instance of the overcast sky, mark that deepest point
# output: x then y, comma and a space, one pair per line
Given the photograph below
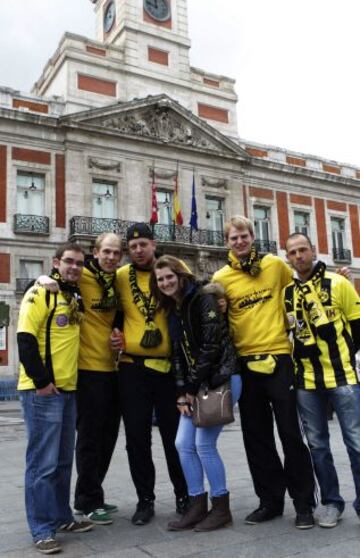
296, 62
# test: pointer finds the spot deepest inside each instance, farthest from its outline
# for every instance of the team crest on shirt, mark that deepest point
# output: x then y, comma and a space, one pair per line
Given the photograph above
324, 296
62, 320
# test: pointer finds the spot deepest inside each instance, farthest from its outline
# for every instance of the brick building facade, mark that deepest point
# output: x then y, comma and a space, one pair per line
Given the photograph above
110, 116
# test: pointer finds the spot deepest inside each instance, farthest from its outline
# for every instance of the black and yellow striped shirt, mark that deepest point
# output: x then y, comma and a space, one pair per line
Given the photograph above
324, 358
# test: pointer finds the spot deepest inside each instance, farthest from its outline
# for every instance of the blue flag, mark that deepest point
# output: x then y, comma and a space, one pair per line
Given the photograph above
193, 219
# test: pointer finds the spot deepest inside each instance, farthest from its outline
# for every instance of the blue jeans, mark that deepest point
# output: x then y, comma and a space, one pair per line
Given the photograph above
312, 406
198, 452
50, 422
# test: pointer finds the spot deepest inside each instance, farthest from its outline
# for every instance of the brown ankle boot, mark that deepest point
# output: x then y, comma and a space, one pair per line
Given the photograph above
197, 511
219, 515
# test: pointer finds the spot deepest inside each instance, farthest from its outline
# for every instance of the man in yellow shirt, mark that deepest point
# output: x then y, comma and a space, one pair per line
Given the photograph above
48, 341
145, 380
98, 408
323, 313
253, 287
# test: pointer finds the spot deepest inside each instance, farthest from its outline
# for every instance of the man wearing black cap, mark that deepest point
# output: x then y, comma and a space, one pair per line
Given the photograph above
144, 376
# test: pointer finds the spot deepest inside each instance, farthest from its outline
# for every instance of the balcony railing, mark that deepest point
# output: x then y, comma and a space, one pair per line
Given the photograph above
93, 226
21, 284
266, 246
342, 255
31, 224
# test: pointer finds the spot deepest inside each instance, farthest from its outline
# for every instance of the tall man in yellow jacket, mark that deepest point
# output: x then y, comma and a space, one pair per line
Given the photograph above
253, 286
98, 408
145, 379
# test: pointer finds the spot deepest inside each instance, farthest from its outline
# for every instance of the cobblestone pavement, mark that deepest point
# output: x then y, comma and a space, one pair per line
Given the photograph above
275, 539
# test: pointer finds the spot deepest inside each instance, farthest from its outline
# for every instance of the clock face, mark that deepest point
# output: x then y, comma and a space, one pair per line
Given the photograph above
158, 9
109, 17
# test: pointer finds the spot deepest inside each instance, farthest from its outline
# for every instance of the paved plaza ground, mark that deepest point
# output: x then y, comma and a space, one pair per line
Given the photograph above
275, 539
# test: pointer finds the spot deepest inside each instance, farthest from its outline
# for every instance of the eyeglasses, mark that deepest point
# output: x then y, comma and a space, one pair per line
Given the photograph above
71, 261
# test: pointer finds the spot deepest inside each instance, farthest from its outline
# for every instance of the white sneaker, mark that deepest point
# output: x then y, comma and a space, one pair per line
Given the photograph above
329, 516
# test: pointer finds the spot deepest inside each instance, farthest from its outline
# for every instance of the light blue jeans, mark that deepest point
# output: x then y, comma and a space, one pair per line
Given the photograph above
198, 452
312, 406
50, 422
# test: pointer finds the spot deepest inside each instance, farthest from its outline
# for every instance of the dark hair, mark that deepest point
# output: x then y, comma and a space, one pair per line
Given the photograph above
295, 234
180, 269
74, 246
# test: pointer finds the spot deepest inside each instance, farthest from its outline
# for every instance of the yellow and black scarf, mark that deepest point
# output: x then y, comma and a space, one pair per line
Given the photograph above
147, 306
251, 264
306, 307
72, 295
109, 300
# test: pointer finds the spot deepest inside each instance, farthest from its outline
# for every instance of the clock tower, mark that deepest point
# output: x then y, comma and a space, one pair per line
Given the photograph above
141, 48
153, 33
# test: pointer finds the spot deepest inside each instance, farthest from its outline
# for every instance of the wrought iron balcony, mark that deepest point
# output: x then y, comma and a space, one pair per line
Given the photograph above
31, 224
90, 227
342, 255
266, 246
22, 283
93, 226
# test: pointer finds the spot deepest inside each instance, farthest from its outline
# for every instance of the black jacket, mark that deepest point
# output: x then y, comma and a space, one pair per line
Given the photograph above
201, 347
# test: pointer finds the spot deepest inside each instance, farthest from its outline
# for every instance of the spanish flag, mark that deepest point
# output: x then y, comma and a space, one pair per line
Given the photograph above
176, 209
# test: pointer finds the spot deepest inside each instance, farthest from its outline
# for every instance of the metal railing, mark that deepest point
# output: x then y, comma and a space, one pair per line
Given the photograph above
266, 246
93, 226
342, 255
31, 224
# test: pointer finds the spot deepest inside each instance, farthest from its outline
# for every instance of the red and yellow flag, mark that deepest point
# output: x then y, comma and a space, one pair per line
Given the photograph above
176, 209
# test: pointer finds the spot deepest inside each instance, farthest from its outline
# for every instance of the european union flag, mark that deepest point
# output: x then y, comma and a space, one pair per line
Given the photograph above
193, 219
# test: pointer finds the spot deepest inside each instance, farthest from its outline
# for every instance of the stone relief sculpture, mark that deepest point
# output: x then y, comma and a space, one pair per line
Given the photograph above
161, 123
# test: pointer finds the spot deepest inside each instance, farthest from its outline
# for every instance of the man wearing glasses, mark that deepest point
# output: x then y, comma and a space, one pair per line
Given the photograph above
48, 341
98, 410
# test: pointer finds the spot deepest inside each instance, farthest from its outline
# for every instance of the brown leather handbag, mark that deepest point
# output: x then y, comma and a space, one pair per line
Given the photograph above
213, 407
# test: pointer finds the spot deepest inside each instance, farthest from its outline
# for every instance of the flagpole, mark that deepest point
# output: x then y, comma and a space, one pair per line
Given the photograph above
175, 194
152, 182
191, 229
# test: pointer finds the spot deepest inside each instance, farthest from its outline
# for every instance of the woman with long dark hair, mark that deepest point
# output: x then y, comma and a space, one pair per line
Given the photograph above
201, 353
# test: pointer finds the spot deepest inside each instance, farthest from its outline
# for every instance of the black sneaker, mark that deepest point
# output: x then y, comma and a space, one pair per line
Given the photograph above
144, 512
263, 513
304, 519
182, 504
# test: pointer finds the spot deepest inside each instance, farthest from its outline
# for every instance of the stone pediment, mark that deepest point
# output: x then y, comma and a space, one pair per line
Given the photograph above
160, 119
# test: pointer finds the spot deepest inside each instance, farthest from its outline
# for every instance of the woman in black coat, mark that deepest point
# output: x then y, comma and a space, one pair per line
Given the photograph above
201, 353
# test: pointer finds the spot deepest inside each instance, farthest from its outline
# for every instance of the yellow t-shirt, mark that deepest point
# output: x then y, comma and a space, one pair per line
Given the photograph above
256, 319
134, 322
332, 363
63, 337
95, 352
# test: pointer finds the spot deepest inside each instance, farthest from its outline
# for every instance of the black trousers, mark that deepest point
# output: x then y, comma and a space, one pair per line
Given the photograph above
264, 397
142, 390
98, 420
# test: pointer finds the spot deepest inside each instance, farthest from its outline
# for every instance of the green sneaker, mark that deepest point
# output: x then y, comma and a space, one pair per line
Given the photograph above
110, 508
100, 517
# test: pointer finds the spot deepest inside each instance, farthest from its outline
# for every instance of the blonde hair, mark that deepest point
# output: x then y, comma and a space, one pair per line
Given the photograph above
105, 235
239, 222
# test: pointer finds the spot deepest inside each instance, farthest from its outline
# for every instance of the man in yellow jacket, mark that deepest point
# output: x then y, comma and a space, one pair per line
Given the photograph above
253, 286
48, 340
145, 379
